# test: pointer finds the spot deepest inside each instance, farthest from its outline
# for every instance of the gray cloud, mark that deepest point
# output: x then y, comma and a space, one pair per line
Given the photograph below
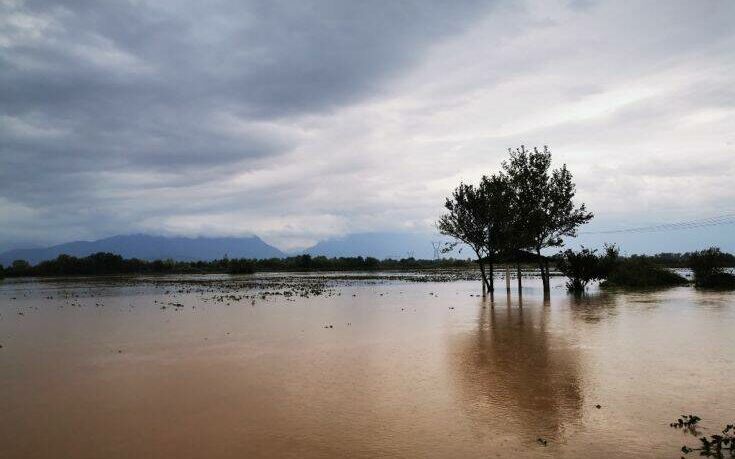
182, 92
299, 120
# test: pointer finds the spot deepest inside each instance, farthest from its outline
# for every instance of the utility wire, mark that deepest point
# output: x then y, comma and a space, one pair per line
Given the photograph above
724, 219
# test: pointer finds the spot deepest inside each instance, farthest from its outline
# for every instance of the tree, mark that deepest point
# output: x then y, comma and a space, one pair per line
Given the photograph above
580, 267
466, 220
499, 199
544, 207
481, 218
585, 266
20, 267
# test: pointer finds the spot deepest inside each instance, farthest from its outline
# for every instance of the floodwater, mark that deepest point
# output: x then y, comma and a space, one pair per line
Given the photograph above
206, 367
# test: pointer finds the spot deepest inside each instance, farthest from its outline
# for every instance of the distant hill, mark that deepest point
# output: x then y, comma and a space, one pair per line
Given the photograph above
381, 245
148, 247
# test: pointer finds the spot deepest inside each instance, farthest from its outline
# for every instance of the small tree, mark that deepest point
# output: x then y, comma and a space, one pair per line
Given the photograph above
544, 204
609, 261
580, 267
586, 266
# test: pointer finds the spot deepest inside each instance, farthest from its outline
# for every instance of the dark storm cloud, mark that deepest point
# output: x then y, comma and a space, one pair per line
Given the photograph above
184, 91
263, 58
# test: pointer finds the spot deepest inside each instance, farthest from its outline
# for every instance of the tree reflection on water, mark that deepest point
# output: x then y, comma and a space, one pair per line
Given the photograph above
515, 375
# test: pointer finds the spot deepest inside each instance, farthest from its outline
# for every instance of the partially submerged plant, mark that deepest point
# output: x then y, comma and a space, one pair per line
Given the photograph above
584, 266
685, 420
581, 267
709, 266
716, 445
637, 272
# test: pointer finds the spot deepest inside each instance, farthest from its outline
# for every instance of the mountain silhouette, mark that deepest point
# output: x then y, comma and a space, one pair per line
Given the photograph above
147, 247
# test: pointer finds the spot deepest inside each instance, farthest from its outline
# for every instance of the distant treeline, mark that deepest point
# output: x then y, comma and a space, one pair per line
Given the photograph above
680, 260
107, 264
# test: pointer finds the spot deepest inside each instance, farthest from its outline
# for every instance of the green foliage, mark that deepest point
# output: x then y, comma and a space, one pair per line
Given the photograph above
107, 264
609, 261
526, 206
476, 216
240, 266
641, 273
580, 267
544, 206
682, 260
466, 218
499, 201
19, 268
708, 268
585, 266
721, 280
544, 199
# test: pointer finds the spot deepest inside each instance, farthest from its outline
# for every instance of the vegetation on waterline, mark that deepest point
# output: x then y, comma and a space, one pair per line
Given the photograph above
683, 260
686, 420
708, 268
641, 273
585, 266
111, 264
717, 445
600, 267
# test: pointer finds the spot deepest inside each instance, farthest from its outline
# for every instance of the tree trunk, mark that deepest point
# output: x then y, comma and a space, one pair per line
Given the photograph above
547, 285
490, 277
520, 277
544, 273
485, 283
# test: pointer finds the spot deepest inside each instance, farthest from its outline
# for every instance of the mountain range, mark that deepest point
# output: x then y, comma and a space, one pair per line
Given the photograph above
147, 247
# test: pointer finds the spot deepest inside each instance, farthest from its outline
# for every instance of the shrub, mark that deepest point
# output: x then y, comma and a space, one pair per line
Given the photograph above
708, 268
240, 266
641, 273
580, 267
585, 266
719, 280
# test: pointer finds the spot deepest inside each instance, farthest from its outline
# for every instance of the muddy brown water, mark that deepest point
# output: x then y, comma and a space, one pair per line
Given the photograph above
97, 369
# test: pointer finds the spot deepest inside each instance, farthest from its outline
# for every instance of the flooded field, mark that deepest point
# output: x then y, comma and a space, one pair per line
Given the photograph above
402, 365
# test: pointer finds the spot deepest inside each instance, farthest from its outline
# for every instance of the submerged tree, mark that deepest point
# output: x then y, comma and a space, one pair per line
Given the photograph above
526, 207
584, 266
499, 198
544, 207
480, 216
580, 267
466, 221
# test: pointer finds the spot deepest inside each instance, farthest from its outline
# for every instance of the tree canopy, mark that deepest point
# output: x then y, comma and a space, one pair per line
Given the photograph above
525, 206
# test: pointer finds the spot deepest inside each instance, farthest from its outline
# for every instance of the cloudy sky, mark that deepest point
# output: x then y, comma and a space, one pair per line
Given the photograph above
301, 120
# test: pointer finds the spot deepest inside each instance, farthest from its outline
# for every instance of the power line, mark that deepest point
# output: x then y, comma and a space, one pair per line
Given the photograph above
724, 219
